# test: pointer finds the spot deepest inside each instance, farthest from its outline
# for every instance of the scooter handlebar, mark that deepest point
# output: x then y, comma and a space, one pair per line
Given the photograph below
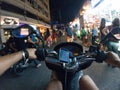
77, 63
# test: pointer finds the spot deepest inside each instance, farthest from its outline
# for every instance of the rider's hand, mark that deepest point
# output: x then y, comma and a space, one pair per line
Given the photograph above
31, 52
113, 59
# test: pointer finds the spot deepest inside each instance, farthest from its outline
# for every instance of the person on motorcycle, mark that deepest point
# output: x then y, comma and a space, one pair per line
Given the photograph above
112, 41
85, 82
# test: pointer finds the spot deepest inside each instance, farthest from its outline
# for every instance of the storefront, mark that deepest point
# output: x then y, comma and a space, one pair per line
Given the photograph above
108, 9
8, 23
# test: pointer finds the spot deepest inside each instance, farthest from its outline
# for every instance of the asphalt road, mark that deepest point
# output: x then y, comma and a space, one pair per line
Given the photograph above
106, 78
32, 79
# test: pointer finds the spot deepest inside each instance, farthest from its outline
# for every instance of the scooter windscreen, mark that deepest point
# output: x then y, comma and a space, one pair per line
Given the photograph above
23, 31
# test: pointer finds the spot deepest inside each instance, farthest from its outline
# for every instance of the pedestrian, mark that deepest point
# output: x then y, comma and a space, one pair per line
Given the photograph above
103, 28
69, 33
48, 38
54, 34
76, 32
94, 34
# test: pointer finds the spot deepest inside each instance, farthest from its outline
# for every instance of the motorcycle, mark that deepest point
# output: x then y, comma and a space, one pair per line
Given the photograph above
112, 40
21, 34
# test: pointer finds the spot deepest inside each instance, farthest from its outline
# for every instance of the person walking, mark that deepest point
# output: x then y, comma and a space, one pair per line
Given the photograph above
69, 33
103, 32
48, 38
94, 34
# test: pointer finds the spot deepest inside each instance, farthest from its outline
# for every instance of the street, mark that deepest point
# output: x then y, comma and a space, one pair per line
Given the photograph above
32, 79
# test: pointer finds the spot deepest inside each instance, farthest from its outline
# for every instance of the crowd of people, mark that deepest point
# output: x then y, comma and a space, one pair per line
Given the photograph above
88, 35
95, 34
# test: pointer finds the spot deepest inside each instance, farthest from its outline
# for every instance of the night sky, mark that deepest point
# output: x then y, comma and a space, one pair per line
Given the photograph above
64, 11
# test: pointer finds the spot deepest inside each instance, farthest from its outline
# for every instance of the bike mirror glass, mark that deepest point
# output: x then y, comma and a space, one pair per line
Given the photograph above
22, 31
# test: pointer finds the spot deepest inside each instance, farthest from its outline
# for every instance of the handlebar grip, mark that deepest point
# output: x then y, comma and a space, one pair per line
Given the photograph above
41, 53
101, 56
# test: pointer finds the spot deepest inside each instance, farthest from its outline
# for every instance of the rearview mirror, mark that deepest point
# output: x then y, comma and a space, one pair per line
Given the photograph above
22, 31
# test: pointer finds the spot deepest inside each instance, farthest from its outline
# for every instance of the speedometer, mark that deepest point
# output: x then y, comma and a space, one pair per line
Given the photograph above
75, 49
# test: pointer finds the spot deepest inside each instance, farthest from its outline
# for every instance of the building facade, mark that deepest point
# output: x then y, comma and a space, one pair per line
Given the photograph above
33, 12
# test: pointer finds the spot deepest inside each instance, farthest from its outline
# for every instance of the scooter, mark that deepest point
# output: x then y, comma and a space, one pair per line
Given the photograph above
68, 61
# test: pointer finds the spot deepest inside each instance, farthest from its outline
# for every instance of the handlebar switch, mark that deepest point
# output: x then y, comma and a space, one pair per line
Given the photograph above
73, 66
74, 59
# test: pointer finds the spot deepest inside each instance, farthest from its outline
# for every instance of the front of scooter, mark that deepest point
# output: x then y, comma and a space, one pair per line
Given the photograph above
68, 61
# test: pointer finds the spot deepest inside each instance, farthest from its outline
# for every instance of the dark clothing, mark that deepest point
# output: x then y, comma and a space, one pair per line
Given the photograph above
110, 41
10, 44
10, 40
69, 32
20, 44
102, 36
110, 35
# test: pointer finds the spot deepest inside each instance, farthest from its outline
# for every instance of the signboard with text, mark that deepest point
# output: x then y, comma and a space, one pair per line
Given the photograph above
9, 22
